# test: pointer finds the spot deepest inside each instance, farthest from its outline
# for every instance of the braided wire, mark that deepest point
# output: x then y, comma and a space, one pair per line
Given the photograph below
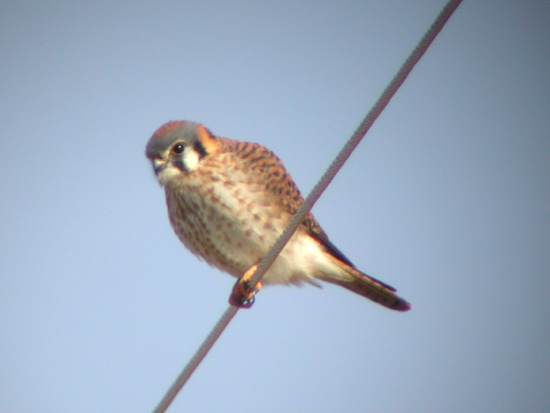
313, 196
199, 355
355, 139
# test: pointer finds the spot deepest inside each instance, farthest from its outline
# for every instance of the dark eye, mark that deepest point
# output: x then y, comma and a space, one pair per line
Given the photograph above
178, 148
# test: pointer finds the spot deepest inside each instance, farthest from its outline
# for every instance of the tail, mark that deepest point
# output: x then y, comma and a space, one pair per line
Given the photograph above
368, 287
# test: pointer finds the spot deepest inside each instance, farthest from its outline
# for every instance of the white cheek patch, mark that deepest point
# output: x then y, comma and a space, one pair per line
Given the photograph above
190, 159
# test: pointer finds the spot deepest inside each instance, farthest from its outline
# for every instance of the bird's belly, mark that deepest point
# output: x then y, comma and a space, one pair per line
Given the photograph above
246, 245
233, 229
229, 226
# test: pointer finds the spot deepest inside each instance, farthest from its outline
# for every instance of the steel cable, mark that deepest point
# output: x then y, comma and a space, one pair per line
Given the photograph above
313, 196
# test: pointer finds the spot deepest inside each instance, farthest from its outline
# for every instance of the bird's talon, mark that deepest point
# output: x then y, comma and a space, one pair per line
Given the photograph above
242, 295
241, 302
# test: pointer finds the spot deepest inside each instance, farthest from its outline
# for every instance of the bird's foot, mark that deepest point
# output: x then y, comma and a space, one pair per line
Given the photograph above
242, 295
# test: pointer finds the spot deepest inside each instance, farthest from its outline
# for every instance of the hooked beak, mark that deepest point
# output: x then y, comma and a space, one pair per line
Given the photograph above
158, 165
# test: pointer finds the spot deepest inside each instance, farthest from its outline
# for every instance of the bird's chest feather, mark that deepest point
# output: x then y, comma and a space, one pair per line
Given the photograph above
225, 218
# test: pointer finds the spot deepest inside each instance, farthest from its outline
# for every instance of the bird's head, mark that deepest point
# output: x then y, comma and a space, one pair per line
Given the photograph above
178, 147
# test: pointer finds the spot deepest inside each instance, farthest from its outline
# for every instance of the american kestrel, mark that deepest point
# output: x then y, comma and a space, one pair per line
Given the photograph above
228, 202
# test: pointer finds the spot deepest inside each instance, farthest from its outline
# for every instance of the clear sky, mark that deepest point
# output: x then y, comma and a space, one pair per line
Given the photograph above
447, 199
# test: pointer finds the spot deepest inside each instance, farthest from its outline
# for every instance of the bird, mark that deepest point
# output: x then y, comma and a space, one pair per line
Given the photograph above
228, 201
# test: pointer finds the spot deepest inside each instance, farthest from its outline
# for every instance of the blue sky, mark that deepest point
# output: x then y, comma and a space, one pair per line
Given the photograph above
446, 199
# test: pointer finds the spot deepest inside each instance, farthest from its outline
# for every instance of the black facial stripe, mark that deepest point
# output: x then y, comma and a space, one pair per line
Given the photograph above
180, 165
199, 149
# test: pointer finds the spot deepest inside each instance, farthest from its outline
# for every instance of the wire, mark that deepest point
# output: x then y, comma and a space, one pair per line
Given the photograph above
352, 143
196, 359
313, 196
